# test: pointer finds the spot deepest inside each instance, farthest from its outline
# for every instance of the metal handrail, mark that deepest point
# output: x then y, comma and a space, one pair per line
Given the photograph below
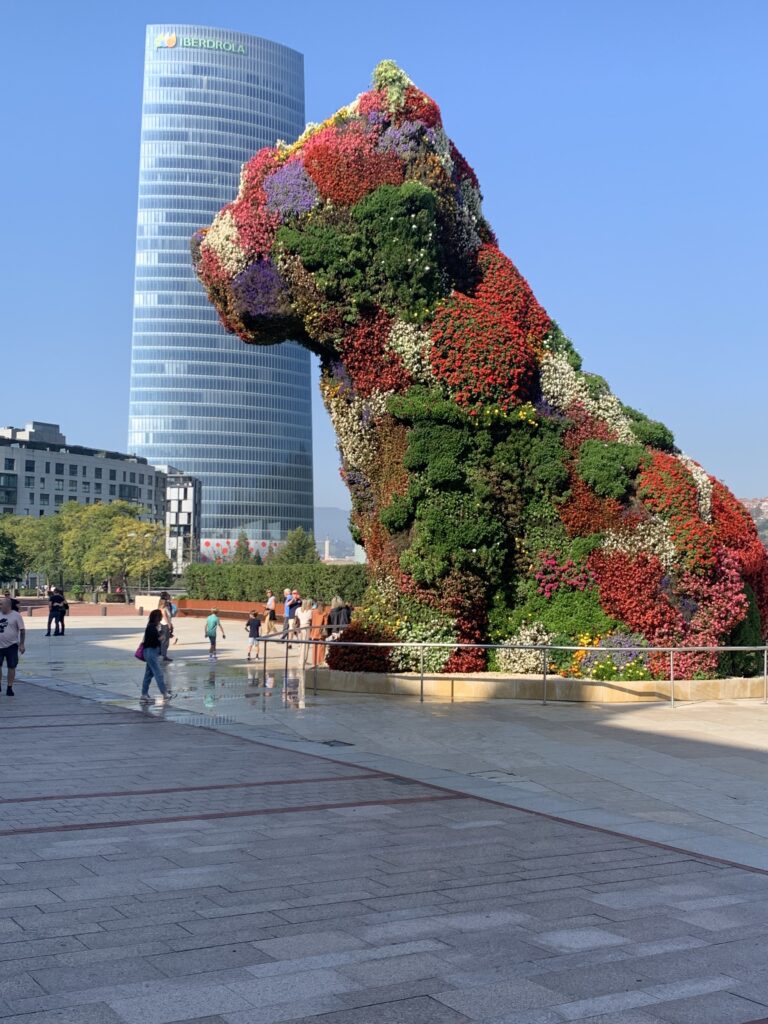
421, 645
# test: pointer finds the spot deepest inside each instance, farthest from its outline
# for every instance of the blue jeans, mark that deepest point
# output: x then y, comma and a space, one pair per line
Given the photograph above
152, 658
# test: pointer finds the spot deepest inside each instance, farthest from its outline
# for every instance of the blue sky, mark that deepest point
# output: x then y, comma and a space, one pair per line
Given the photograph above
621, 148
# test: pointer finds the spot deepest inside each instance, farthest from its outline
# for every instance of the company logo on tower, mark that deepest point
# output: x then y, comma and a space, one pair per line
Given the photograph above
168, 40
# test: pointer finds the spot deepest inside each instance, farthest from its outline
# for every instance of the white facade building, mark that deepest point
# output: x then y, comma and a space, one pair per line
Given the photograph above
40, 472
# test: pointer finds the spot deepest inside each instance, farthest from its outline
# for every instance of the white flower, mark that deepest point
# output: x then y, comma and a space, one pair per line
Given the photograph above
651, 537
223, 239
561, 386
703, 486
524, 662
413, 346
354, 420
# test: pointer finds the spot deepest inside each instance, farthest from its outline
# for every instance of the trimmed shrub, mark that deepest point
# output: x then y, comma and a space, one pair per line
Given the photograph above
233, 582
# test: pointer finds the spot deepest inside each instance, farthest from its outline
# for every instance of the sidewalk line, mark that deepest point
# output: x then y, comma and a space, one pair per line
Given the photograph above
216, 815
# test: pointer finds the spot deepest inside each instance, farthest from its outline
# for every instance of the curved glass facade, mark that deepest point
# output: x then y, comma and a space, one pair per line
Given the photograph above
237, 417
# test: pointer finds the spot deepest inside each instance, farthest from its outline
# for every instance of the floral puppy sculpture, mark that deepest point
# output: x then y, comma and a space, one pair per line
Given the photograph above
500, 492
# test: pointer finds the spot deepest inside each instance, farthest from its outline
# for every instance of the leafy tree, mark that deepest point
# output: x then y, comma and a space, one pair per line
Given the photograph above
242, 554
128, 548
39, 543
84, 529
11, 560
299, 549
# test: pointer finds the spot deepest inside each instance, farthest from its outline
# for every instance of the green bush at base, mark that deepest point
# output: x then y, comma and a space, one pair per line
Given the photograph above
249, 582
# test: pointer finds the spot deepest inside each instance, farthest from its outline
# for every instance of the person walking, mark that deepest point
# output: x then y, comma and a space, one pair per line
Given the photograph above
253, 626
166, 627
270, 614
61, 613
153, 669
339, 617
55, 600
288, 611
212, 626
303, 620
12, 637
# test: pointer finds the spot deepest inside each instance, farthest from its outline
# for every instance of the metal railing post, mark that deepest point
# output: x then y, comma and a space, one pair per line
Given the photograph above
765, 675
315, 650
544, 668
285, 673
672, 678
421, 671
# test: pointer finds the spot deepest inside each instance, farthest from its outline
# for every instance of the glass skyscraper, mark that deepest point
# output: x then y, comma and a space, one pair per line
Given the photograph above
236, 416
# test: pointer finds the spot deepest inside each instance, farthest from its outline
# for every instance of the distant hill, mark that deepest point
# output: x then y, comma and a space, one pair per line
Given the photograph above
333, 523
758, 509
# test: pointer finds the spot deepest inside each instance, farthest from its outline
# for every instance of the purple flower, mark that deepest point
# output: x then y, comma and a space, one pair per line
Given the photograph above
290, 189
403, 139
630, 649
260, 290
547, 411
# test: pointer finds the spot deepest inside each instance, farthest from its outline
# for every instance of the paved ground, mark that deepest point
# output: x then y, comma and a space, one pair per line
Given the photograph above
153, 872
695, 777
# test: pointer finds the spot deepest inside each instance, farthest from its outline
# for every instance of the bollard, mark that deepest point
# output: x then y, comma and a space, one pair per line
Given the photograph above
141, 609
103, 609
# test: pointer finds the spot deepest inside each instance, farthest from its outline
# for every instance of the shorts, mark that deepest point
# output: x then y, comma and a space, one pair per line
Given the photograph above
211, 641
9, 655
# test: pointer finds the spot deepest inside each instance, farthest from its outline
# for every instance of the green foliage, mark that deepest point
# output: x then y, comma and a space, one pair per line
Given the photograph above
317, 581
397, 240
242, 554
397, 515
748, 633
383, 252
557, 343
597, 386
537, 458
387, 75
453, 530
299, 549
426, 404
609, 467
650, 432
567, 614
11, 559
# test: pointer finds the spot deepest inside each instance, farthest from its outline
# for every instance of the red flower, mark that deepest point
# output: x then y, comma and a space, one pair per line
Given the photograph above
370, 364
345, 164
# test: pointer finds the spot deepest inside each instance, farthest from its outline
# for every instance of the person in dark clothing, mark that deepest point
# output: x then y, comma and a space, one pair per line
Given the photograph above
152, 658
339, 618
253, 626
55, 601
61, 614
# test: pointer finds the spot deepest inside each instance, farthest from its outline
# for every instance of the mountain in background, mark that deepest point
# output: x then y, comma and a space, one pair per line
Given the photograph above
333, 523
758, 509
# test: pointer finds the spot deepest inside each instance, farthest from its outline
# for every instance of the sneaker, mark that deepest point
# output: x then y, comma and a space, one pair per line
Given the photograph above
170, 695
144, 700
9, 692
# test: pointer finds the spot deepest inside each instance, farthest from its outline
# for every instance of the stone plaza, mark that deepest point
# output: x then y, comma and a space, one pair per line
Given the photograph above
255, 854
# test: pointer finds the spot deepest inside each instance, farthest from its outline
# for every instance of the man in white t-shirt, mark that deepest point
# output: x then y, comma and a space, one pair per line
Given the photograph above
12, 635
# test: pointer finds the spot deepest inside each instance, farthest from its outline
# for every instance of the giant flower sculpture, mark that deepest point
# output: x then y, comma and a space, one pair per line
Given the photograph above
498, 489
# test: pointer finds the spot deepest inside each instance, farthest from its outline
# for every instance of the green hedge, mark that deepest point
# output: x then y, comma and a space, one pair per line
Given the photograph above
249, 582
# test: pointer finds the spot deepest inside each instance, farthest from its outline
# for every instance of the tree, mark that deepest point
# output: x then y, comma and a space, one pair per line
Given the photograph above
11, 561
242, 554
299, 549
129, 548
39, 544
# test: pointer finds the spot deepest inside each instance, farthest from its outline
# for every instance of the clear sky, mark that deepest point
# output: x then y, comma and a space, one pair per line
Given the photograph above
621, 148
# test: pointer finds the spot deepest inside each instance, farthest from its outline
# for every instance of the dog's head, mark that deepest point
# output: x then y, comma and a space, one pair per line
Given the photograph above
372, 214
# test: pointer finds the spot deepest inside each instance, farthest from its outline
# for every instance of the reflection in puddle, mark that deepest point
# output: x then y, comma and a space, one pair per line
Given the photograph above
254, 685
